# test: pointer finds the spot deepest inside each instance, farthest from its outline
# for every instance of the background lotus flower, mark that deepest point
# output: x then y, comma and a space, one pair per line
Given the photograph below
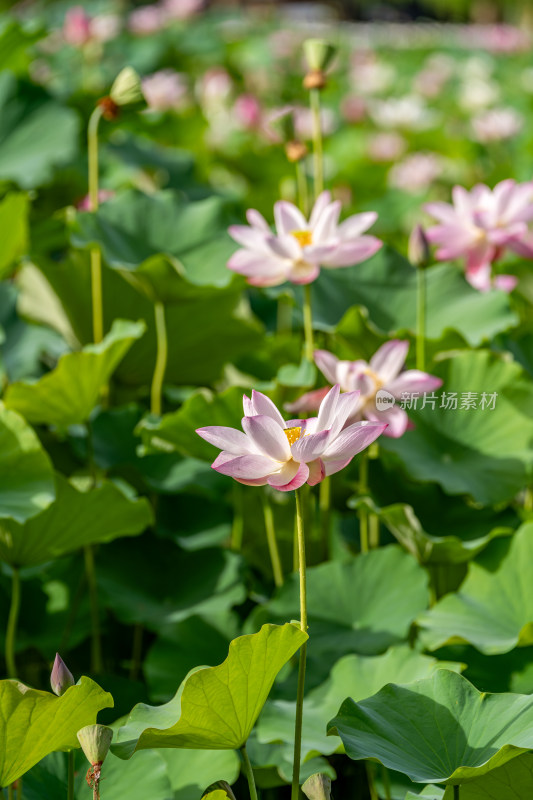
482, 224
300, 247
166, 90
286, 455
382, 372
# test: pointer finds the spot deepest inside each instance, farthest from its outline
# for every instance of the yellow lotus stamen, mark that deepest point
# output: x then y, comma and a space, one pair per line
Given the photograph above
293, 434
303, 237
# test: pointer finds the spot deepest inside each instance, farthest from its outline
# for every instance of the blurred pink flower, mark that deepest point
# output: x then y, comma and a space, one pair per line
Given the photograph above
416, 172
165, 90
300, 247
382, 374
77, 26
146, 20
105, 27
182, 9
247, 110
386, 146
497, 124
303, 122
353, 108
481, 225
214, 89
103, 195
286, 455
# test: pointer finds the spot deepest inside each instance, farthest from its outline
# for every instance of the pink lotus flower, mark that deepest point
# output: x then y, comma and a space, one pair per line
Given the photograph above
300, 247
77, 26
286, 455
482, 224
382, 374
165, 90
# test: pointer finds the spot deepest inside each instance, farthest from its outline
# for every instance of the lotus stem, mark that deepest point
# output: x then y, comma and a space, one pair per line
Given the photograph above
70, 763
12, 622
295, 789
308, 324
96, 258
160, 361
96, 644
421, 320
237, 528
371, 783
363, 513
386, 783
136, 655
318, 167
301, 180
324, 506
273, 550
248, 771
10, 792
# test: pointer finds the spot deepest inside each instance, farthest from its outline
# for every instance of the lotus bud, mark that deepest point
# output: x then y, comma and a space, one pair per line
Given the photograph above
319, 55
126, 89
295, 150
61, 677
418, 249
95, 742
317, 787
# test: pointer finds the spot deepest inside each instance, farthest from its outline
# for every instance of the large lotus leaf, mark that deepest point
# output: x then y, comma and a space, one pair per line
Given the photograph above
192, 771
36, 133
493, 609
67, 395
35, 723
15, 45
429, 792
177, 430
158, 240
360, 606
387, 285
207, 328
484, 452
438, 730
512, 781
215, 708
26, 473
184, 583
402, 521
356, 676
75, 519
14, 226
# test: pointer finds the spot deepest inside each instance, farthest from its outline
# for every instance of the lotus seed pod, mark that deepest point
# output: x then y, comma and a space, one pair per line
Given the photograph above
61, 677
295, 150
317, 787
318, 54
95, 742
126, 89
418, 249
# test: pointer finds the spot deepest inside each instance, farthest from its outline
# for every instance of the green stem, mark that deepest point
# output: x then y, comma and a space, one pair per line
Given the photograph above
10, 792
96, 644
528, 499
373, 536
295, 789
160, 361
96, 258
371, 783
248, 771
70, 790
137, 650
308, 323
284, 315
237, 528
421, 321
303, 195
273, 550
12, 621
363, 513
386, 783
318, 167
324, 506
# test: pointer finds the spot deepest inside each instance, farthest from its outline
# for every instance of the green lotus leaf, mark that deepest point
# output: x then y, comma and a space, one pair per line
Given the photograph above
493, 609
26, 473
207, 326
357, 676
429, 792
360, 606
144, 777
483, 452
438, 730
207, 581
215, 708
157, 241
75, 519
67, 395
512, 781
36, 133
14, 226
35, 723
386, 285
192, 771
402, 521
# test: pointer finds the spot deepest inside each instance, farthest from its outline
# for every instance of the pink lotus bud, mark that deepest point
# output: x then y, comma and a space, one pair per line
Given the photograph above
77, 27
247, 111
61, 678
418, 250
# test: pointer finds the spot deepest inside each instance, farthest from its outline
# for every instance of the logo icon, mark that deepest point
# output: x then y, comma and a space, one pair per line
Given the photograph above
384, 400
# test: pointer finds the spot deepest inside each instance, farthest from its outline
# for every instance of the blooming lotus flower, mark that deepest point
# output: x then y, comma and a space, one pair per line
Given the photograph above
166, 90
383, 372
300, 246
286, 455
482, 224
